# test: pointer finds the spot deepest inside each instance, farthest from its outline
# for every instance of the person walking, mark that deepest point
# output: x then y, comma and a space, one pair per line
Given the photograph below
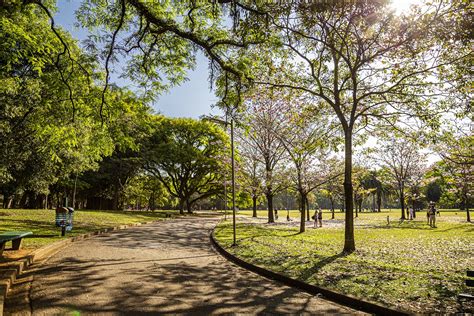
276, 214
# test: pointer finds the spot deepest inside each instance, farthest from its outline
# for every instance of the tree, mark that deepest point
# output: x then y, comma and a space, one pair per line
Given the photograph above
49, 127
369, 66
333, 191
306, 138
457, 167
251, 174
185, 155
260, 121
403, 162
433, 191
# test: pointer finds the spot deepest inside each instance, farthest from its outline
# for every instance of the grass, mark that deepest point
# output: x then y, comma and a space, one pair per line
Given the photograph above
407, 265
42, 223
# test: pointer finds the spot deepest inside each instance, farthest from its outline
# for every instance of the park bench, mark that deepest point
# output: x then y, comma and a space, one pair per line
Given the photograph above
14, 237
469, 283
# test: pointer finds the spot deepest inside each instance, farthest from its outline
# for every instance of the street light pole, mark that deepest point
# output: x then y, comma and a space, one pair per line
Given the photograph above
233, 177
225, 123
225, 196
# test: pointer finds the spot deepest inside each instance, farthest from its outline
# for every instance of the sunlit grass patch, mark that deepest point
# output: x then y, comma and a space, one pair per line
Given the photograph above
408, 265
42, 223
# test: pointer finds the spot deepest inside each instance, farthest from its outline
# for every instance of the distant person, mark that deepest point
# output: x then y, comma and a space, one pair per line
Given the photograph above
320, 217
276, 214
432, 214
288, 215
411, 212
315, 217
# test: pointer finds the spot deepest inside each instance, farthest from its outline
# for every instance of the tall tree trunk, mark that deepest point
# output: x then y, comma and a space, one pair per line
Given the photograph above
379, 201
7, 200
302, 212
188, 206
115, 202
349, 242
254, 206
466, 205
11, 202
181, 206
332, 207
74, 192
402, 201
23, 199
269, 196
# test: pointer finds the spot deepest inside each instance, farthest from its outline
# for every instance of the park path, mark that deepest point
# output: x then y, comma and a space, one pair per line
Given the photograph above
164, 267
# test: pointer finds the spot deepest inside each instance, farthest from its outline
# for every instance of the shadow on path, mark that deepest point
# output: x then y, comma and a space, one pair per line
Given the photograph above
166, 267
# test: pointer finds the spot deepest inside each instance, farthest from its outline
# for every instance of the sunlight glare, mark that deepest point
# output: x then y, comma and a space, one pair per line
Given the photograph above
403, 6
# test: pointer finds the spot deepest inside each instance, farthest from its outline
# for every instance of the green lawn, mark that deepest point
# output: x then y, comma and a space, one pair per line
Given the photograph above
42, 224
408, 265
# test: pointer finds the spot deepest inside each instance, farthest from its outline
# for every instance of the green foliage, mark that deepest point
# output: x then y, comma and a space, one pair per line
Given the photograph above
50, 124
186, 156
433, 191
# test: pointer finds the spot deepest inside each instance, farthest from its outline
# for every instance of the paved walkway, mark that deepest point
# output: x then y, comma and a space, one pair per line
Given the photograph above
165, 267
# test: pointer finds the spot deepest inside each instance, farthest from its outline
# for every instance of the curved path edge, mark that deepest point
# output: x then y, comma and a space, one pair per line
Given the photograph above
336, 297
9, 274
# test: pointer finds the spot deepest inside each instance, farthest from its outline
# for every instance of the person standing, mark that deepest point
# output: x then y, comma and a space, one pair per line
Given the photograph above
410, 211
315, 217
276, 214
432, 215
320, 217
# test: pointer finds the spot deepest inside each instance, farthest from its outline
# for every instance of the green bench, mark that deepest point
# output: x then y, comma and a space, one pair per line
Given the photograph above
469, 283
14, 237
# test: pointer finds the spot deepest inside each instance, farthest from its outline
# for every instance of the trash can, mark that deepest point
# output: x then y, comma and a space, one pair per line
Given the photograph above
61, 216
64, 219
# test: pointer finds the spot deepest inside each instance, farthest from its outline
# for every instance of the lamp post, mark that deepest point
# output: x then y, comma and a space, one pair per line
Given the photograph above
225, 123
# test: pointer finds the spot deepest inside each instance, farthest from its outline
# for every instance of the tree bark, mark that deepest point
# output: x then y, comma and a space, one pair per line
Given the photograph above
115, 203
402, 201
181, 207
254, 206
466, 205
379, 201
269, 196
332, 207
10, 202
302, 213
188, 206
349, 242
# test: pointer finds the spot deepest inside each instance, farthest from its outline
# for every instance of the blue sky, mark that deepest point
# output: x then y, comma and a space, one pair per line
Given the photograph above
191, 99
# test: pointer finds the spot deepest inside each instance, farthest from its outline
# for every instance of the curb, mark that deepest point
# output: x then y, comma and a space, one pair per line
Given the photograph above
9, 272
330, 295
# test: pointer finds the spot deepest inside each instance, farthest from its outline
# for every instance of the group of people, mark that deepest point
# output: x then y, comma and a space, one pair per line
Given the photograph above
318, 218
